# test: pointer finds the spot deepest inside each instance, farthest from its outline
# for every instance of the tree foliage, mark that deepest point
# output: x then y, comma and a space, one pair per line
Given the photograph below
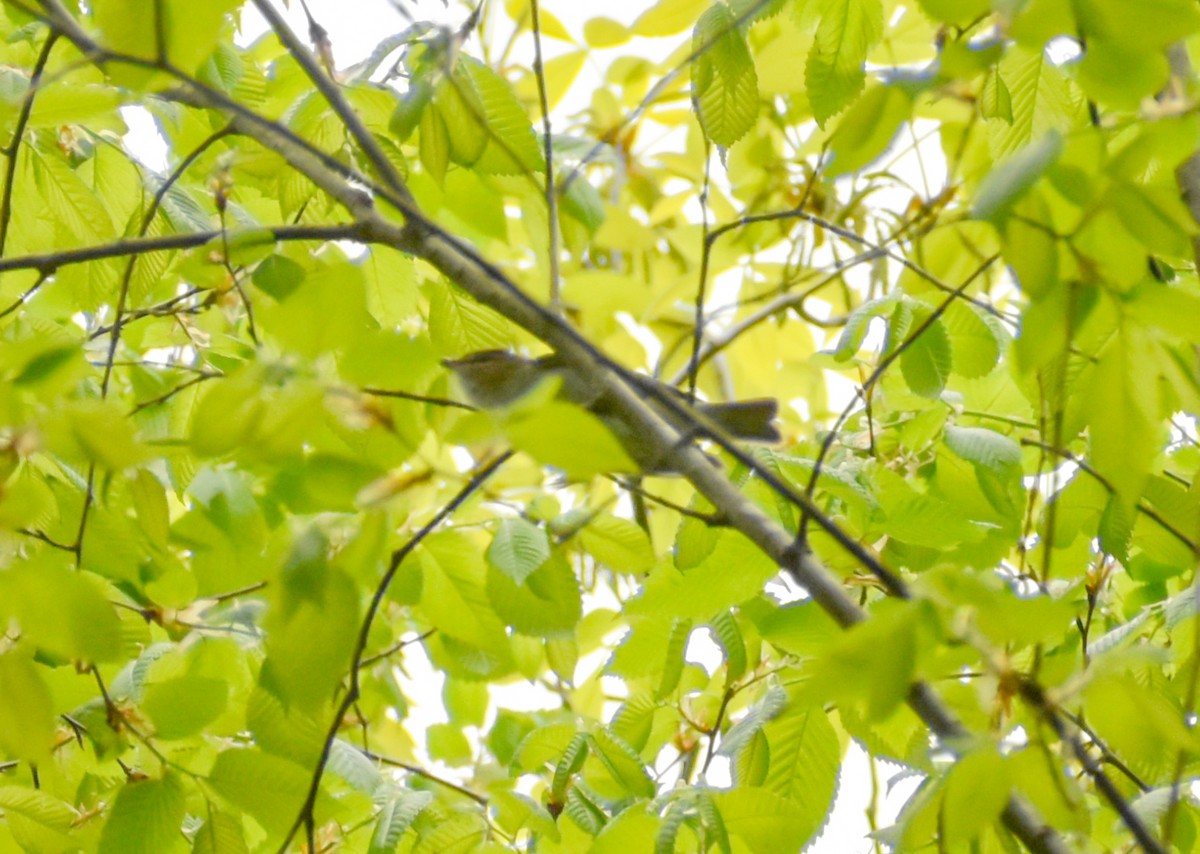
238, 492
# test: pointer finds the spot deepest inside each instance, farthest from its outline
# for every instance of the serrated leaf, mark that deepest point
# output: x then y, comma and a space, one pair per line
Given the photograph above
740, 734
1121, 406
856, 326
836, 66
568, 764
622, 763
397, 812
511, 145
518, 548
975, 345
927, 360
681, 630
1041, 98
458, 834
221, 833
546, 604
729, 635
459, 324
618, 543
805, 758
765, 822
724, 82
984, 447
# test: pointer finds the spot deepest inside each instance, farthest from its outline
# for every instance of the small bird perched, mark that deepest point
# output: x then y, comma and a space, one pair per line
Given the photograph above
492, 379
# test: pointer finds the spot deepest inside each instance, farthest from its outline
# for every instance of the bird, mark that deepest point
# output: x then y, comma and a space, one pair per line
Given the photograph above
494, 379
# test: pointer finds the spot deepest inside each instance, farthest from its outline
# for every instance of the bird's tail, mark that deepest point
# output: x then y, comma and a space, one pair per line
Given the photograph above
745, 419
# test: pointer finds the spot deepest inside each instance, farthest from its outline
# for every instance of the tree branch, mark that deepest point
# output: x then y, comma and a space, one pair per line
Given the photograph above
49, 262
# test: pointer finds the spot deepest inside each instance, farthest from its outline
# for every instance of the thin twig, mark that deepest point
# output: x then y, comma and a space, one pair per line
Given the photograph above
12, 149
419, 398
351, 696
428, 775
539, 73
395, 648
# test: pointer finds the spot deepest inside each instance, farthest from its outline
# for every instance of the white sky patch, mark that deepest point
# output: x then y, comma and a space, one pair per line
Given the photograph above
143, 141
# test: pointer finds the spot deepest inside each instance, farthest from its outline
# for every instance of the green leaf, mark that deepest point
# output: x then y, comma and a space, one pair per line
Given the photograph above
920, 518
518, 548
1042, 101
453, 595
742, 734
836, 67
956, 12
459, 834
462, 114
667, 17
709, 587
190, 29
867, 130
97, 430
547, 603
1007, 182
515, 811
882, 655
221, 833
622, 763
38, 820
511, 145
184, 706
805, 755
618, 543
977, 790
984, 447
681, 630
396, 814
447, 743
927, 360
459, 324
724, 83
857, 324
267, 787
147, 816
729, 635
61, 610
434, 140
975, 345
228, 413
1121, 405
26, 709
569, 438
574, 752
1113, 73
1158, 219
311, 628
763, 821
1150, 25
